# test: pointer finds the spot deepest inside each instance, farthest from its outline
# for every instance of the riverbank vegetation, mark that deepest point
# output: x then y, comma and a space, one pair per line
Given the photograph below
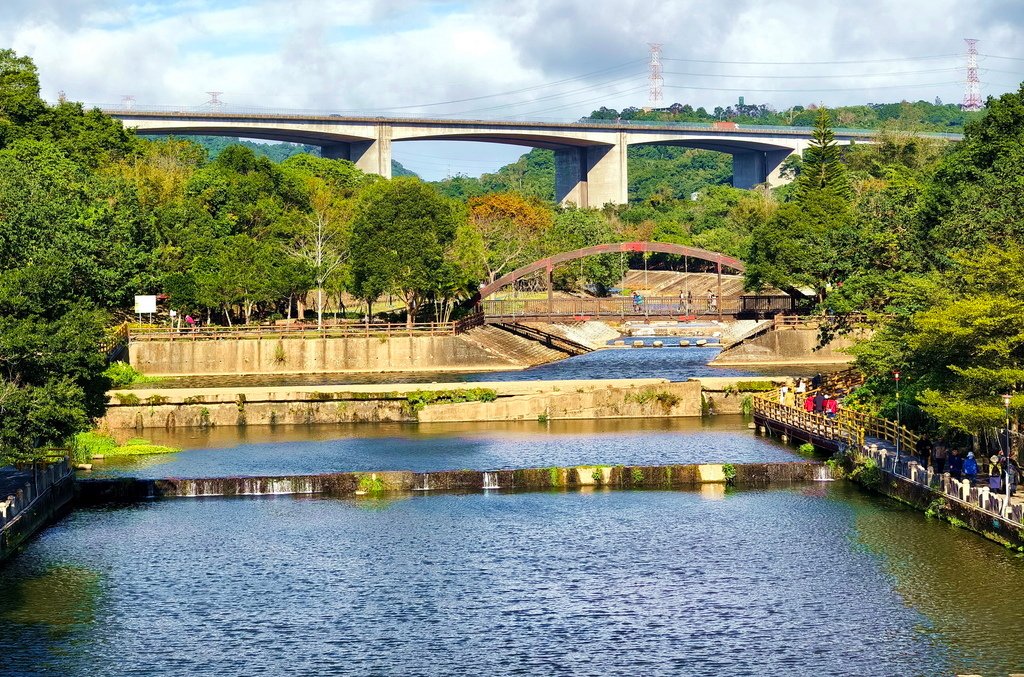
93, 444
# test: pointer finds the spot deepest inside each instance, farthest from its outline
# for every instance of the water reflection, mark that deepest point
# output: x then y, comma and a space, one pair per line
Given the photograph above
301, 450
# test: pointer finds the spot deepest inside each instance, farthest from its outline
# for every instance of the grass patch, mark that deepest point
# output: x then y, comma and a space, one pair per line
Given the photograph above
666, 399
122, 374
421, 398
89, 444
127, 399
754, 386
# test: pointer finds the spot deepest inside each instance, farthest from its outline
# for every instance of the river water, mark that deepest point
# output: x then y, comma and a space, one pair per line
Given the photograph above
673, 363
814, 580
302, 450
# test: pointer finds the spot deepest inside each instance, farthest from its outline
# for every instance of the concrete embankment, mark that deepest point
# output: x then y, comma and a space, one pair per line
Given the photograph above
715, 476
938, 495
786, 345
513, 401
37, 497
480, 349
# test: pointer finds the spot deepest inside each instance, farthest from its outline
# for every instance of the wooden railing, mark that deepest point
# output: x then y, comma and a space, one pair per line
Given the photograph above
115, 340
849, 426
817, 426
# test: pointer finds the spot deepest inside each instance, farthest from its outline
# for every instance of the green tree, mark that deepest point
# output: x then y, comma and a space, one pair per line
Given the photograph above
400, 233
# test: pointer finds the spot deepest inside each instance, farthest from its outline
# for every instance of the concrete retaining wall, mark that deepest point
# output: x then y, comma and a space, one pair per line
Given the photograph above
278, 356
517, 401
575, 477
32, 507
786, 345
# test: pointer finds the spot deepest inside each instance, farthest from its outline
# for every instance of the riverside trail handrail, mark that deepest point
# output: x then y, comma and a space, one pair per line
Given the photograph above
849, 425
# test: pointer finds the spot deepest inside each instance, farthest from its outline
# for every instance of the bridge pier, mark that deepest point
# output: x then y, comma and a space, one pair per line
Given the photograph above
592, 176
756, 167
372, 156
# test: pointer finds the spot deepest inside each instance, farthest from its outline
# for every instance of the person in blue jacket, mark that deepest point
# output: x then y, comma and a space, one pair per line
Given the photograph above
970, 468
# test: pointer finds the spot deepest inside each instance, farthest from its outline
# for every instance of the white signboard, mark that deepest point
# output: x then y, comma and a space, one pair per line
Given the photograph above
145, 304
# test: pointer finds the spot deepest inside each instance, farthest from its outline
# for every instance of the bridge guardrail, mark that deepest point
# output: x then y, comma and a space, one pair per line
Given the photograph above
300, 113
616, 306
379, 329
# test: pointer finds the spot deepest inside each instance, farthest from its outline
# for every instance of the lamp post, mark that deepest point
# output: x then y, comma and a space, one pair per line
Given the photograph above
1006, 462
896, 375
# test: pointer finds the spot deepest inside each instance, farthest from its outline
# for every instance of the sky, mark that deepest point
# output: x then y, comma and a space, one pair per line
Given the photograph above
541, 59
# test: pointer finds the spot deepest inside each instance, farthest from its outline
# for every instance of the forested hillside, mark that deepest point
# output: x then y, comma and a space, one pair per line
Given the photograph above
663, 172
276, 152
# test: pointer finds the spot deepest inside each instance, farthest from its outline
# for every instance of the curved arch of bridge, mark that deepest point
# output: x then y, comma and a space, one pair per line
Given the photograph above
720, 260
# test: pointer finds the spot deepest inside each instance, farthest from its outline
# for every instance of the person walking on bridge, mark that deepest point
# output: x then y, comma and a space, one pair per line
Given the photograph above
939, 456
970, 468
809, 403
819, 403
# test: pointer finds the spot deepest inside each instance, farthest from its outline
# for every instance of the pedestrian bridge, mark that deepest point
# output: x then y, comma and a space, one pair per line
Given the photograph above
623, 307
590, 155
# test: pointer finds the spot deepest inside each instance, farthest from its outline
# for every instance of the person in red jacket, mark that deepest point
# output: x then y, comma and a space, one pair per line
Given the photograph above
809, 403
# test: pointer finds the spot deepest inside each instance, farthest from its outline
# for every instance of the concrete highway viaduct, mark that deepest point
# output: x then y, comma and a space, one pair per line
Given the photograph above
590, 156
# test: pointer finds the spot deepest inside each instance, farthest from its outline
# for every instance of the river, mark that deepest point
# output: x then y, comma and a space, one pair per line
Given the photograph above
815, 579
302, 450
673, 363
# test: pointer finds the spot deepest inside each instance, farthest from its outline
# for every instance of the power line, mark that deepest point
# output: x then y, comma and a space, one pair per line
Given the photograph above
816, 77
510, 92
824, 89
815, 63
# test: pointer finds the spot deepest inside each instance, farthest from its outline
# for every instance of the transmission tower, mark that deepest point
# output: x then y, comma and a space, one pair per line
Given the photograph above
127, 102
654, 99
972, 94
215, 101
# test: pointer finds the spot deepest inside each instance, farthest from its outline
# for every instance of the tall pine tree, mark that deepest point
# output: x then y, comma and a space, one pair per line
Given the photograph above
823, 167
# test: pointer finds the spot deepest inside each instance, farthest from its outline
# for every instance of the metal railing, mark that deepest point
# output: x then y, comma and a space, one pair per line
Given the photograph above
560, 343
612, 307
353, 330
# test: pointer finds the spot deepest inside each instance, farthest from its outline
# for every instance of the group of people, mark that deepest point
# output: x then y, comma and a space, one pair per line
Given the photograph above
814, 401
941, 457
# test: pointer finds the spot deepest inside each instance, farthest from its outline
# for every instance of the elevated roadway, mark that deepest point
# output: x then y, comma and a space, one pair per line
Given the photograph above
590, 156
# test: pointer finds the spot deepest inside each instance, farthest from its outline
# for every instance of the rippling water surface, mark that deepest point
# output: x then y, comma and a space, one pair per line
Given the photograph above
302, 450
810, 581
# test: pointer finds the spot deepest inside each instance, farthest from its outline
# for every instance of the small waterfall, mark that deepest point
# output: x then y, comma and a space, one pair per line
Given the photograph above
424, 483
823, 473
491, 480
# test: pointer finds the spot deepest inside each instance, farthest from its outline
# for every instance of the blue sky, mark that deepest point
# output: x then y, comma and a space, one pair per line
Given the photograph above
550, 59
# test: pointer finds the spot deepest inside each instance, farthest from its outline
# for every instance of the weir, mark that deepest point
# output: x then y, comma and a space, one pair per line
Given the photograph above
126, 490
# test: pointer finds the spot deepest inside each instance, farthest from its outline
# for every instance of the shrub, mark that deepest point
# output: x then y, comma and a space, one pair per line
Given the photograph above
122, 374
867, 474
729, 470
806, 448
127, 399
